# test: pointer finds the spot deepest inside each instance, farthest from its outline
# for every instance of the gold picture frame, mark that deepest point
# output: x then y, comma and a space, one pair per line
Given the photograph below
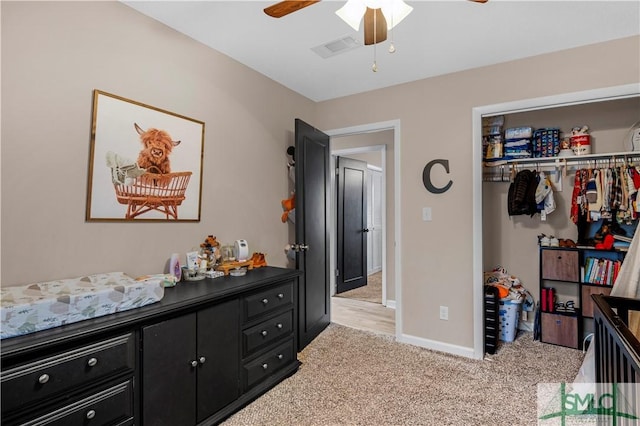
145, 163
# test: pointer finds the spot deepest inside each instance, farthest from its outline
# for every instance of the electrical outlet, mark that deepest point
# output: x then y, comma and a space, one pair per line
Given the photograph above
444, 312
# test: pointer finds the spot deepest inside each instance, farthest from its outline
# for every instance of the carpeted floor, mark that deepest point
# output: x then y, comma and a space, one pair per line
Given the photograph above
353, 377
372, 292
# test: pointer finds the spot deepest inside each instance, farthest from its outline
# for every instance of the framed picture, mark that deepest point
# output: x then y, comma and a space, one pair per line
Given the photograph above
145, 163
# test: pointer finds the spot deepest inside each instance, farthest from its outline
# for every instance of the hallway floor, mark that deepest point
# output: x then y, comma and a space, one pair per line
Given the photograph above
363, 315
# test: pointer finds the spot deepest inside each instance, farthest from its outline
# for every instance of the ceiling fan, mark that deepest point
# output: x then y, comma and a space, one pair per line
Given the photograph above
375, 24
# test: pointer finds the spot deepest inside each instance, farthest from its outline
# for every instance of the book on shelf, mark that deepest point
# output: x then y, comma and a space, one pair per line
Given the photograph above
622, 238
601, 271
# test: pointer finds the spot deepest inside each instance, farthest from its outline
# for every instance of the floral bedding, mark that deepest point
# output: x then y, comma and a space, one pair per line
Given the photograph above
39, 306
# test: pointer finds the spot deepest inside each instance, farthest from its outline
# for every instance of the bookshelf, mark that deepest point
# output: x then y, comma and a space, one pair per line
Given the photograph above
568, 278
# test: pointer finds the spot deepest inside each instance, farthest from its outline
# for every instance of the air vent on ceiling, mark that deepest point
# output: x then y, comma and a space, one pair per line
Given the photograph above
336, 47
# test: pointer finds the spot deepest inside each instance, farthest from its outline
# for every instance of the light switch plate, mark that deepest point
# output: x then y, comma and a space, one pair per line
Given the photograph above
426, 214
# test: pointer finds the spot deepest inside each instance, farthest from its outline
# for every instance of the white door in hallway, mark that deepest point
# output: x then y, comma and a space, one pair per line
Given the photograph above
374, 220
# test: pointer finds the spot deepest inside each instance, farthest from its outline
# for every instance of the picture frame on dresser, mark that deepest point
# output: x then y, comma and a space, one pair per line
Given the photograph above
145, 162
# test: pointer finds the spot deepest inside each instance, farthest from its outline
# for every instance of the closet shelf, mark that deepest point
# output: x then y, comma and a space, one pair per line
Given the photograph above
500, 171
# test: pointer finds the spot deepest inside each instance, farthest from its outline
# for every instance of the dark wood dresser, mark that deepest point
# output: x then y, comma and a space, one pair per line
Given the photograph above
200, 354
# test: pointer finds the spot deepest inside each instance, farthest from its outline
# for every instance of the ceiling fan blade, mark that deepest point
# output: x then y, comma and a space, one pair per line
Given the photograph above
283, 8
375, 26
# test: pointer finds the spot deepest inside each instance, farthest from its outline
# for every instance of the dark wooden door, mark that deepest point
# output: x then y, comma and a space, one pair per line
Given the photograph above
218, 357
168, 376
351, 183
312, 230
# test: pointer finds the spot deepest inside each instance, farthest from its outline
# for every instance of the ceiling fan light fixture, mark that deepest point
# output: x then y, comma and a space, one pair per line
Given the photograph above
352, 13
395, 11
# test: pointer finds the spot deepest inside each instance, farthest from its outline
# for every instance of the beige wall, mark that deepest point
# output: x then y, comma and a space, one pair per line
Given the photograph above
435, 117
53, 55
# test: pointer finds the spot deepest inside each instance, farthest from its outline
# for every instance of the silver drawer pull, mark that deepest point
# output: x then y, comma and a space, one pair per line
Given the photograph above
92, 362
194, 363
279, 326
264, 333
91, 414
265, 366
43, 379
265, 301
280, 296
202, 360
280, 356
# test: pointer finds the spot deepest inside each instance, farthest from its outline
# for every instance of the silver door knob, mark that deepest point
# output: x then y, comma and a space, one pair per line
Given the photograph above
202, 360
265, 366
279, 326
194, 363
91, 414
280, 296
264, 333
92, 362
43, 379
265, 301
280, 356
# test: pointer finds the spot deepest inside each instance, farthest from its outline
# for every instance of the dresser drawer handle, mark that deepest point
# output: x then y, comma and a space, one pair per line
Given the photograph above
280, 356
264, 333
202, 360
43, 379
91, 414
280, 296
194, 363
265, 366
279, 326
92, 362
265, 301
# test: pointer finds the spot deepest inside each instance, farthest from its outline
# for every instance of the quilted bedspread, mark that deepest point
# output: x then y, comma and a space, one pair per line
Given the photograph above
39, 306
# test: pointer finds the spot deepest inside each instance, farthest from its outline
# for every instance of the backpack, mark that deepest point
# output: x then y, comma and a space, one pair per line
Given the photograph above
521, 198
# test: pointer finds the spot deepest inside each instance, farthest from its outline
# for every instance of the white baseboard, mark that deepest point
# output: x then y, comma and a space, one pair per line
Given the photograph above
391, 304
437, 346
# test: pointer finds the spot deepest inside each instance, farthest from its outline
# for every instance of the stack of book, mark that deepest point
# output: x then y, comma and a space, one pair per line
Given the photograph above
601, 271
621, 242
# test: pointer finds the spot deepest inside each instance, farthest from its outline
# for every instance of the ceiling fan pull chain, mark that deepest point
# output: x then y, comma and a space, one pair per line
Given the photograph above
374, 68
392, 48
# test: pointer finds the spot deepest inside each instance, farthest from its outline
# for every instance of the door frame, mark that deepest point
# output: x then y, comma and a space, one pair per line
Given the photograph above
370, 128
564, 99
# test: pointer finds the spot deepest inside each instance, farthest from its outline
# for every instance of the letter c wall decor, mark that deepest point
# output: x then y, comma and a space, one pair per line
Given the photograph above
426, 176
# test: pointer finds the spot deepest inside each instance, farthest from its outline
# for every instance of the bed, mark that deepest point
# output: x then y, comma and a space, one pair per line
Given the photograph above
617, 348
39, 306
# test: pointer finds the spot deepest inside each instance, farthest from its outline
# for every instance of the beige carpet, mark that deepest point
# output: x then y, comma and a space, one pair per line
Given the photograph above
372, 292
352, 377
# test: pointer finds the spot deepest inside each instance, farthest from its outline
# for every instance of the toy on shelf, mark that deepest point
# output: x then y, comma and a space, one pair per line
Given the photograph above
210, 251
288, 205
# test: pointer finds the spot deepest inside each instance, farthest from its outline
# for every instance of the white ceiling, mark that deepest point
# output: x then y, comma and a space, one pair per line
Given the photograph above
439, 37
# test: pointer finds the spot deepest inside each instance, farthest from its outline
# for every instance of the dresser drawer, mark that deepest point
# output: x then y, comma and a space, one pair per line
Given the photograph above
108, 407
269, 363
46, 377
267, 301
267, 332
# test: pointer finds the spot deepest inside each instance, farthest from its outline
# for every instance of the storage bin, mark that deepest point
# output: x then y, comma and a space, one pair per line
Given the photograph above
491, 319
546, 142
509, 315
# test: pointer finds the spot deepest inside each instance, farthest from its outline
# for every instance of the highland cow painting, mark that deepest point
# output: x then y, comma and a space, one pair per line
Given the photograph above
145, 163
